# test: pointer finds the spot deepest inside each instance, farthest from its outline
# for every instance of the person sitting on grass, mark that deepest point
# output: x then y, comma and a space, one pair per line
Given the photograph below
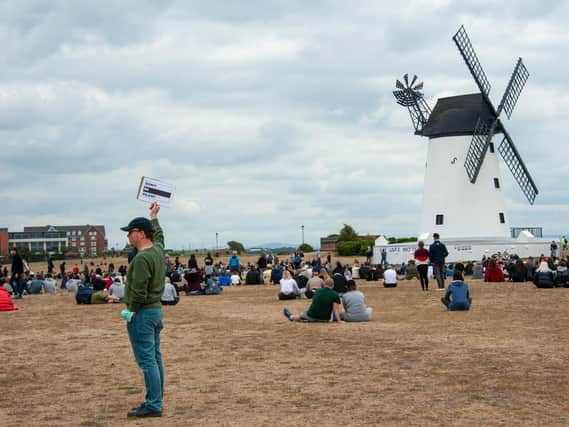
325, 301
117, 288
457, 296
411, 272
5, 300
390, 277
493, 272
289, 287
543, 277
355, 305
103, 297
169, 296
49, 284
313, 284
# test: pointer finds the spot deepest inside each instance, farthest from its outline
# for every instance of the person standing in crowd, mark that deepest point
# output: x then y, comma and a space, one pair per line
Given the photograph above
383, 257
437, 254
369, 254
234, 263
553, 248
143, 290
50, 265
17, 279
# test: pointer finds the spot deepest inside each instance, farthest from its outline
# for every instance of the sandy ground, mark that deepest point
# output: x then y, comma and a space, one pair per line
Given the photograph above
235, 360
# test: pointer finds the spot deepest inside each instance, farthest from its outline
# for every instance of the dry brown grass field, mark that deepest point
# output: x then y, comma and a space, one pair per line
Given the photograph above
234, 359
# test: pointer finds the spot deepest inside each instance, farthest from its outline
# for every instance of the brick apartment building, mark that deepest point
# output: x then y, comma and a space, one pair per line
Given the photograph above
3, 241
82, 239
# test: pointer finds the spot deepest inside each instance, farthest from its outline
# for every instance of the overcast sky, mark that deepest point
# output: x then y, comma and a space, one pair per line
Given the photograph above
265, 114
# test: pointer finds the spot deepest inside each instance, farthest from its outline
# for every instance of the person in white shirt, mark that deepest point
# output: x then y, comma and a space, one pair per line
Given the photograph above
289, 287
49, 285
117, 288
235, 279
169, 296
389, 277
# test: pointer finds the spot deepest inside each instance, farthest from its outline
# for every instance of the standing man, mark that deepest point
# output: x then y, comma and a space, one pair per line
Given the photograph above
50, 265
17, 279
144, 287
553, 248
437, 254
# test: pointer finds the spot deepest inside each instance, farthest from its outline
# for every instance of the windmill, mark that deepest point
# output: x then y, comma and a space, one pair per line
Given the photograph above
461, 131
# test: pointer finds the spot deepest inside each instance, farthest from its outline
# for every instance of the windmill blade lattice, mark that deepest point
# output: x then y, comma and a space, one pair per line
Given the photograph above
516, 165
514, 88
466, 49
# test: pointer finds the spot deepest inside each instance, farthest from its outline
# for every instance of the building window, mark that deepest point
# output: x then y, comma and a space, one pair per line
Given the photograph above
439, 219
491, 147
502, 218
496, 183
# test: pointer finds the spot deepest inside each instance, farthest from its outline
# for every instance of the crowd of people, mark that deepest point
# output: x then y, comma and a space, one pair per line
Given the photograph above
296, 276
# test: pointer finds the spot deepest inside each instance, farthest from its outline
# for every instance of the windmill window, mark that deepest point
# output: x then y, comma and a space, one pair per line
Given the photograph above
491, 147
439, 219
496, 183
502, 219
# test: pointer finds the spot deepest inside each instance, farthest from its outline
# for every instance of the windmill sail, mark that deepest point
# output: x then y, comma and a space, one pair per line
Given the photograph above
466, 49
514, 89
516, 165
477, 150
408, 95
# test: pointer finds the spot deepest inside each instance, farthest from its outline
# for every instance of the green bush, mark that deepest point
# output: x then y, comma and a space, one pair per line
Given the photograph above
349, 248
305, 247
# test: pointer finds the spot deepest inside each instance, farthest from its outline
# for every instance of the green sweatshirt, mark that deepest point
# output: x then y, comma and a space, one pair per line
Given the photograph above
145, 276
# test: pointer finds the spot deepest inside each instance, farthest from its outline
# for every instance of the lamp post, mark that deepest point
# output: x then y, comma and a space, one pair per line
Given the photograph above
216, 241
302, 232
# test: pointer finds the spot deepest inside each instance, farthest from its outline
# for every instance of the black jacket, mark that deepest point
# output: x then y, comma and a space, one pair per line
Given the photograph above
437, 252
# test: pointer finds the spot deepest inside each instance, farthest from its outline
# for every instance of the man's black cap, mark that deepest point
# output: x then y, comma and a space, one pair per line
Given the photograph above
140, 223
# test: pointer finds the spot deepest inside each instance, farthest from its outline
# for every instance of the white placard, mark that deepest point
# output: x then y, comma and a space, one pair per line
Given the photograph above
155, 190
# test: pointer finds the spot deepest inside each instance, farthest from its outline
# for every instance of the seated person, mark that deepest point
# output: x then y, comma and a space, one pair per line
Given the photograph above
235, 279
117, 288
36, 285
6, 301
493, 272
267, 276
339, 282
253, 277
389, 278
73, 283
403, 269
477, 271
289, 287
226, 279
103, 297
355, 305
212, 287
543, 276
411, 271
457, 296
519, 272
49, 285
562, 276
276, 274
193, 277
325, 301
170, 295
313, 284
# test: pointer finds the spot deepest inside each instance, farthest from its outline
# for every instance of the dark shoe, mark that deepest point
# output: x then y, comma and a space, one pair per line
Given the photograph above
143, 411
287, 314
136, 408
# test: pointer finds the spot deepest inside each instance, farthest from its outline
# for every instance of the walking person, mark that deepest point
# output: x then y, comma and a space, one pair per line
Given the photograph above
422, 263
437, 254
17, 280
143, 290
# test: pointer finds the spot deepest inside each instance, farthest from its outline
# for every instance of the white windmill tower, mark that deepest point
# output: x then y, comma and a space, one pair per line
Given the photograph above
466, 206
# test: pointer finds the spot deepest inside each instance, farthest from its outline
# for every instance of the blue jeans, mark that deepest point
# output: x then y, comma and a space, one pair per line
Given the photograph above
144, 334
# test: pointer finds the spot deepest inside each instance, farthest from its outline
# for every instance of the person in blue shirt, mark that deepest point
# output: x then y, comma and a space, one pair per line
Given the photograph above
234, 263
457, 296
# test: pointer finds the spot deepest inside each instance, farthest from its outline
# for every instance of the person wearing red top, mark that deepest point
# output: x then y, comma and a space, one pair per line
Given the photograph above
422, 263
6, 303
493, 272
